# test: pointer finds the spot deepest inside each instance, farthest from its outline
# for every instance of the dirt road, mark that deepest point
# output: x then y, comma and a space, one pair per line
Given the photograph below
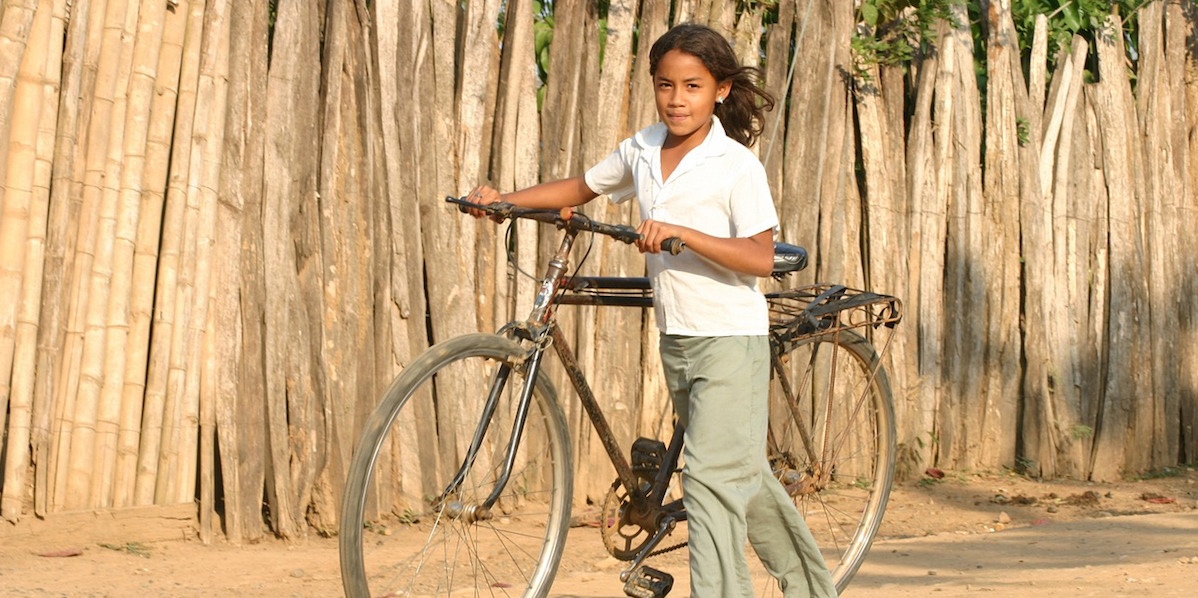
963, 535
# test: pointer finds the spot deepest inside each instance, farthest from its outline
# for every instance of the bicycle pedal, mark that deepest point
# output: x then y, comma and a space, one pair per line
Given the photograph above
647, 456
647, 582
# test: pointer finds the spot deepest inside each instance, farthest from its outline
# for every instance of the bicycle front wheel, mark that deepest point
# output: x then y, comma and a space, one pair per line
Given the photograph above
413, 522
833, 446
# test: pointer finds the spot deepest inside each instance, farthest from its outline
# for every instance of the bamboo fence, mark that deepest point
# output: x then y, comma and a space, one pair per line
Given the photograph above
222, 234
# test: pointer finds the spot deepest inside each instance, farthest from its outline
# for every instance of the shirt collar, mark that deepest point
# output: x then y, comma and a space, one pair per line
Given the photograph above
715, 144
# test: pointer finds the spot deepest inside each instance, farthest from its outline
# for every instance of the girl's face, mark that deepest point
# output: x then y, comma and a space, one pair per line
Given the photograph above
686, 94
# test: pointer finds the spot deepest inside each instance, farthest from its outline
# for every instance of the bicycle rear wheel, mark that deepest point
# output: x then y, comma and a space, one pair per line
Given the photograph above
834, 448
408, 530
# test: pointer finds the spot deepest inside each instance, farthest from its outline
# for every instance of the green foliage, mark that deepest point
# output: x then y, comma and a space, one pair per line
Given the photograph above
1081, 432
894, 32
1067, 18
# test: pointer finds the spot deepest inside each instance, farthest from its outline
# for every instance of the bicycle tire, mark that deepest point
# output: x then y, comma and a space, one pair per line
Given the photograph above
410, 449
838, 378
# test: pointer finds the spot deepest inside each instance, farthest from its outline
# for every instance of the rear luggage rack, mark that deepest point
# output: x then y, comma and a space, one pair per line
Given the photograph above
823, 308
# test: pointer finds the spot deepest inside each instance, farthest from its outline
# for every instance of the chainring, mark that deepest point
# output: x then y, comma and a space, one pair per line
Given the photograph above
622, 538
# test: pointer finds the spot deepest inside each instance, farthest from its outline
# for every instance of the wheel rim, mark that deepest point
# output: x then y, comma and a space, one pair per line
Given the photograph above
844, 402
414, 539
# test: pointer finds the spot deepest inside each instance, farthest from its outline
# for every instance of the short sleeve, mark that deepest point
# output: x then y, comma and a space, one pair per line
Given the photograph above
752, 204
613, 176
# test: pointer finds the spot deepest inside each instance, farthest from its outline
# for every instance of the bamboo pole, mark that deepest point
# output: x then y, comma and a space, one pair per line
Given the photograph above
108, 308
53, 390
16, 19
58, 231
93, 268
20, 97
201, 388
28, 198
115, 408
158, 411
209, 140
164, 89
207, 436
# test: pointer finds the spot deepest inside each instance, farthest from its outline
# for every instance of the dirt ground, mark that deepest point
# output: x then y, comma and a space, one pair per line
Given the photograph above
959, 535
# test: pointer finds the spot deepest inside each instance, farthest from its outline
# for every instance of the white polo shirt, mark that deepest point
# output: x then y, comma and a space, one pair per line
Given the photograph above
720, 189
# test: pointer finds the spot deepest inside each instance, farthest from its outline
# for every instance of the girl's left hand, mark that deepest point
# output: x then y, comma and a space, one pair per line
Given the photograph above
653, 233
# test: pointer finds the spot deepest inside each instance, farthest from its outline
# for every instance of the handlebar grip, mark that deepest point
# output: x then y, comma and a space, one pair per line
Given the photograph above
673, 245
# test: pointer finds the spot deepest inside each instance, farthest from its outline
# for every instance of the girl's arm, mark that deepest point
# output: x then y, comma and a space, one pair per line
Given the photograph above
564, 193
749, 255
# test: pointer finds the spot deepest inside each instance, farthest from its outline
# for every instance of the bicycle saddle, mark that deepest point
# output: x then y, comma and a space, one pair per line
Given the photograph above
788, 258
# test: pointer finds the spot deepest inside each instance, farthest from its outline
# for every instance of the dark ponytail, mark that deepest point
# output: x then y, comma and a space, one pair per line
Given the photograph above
743, 111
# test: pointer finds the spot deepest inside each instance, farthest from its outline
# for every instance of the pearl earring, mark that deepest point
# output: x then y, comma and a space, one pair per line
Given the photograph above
719, 100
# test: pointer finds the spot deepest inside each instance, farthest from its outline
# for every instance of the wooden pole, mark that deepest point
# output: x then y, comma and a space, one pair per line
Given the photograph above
1127, 373
1182, 24
290, 184
237, 279
1154, 108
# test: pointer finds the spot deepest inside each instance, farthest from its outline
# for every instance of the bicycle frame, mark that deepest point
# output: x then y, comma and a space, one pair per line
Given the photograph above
540, 330
817, 312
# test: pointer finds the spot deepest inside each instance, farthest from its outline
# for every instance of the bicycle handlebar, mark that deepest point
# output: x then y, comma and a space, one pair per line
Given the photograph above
576, 222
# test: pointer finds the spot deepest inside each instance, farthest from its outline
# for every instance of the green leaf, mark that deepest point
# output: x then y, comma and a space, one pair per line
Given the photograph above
543, 60
869, 14
542, 36
1072, 18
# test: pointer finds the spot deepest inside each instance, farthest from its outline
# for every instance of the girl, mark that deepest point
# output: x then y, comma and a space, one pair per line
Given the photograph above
694, 178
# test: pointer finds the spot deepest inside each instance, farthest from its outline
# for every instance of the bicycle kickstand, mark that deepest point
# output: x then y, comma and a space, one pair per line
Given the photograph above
643, 581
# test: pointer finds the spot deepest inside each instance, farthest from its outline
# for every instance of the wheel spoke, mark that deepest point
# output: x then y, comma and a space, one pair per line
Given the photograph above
452, 547
832, 424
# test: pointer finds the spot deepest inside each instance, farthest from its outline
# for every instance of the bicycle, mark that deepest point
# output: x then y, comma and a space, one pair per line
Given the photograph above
468, 513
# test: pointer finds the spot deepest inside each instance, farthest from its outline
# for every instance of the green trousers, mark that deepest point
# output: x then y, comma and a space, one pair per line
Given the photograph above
720, 390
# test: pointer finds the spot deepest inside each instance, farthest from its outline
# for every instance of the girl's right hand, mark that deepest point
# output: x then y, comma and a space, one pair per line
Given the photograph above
483, 194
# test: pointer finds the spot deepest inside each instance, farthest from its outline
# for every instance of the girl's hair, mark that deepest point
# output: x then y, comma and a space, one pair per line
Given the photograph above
742, 112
